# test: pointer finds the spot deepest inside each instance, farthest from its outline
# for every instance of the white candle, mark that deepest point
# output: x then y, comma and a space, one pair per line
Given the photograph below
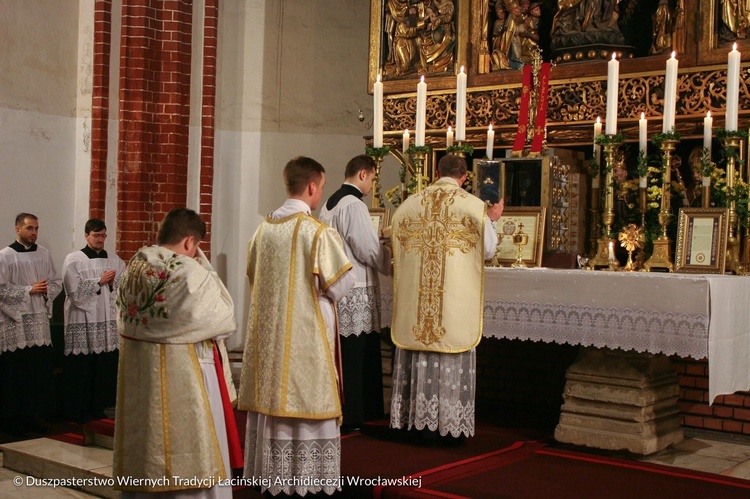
405, 146
643, 134
670, 94
449, 137
597, 150
377, 106
613, 79
611, 252
708, 124
733, 89
421, 112
490, 142
461, 105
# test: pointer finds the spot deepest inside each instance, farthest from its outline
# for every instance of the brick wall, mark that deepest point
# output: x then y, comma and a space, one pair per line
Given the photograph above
522, 382
154, 118
729, 413
208, 111
100, 106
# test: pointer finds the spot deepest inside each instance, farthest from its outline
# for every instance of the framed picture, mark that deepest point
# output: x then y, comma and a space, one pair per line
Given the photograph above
702, 240
531, 221
380, 218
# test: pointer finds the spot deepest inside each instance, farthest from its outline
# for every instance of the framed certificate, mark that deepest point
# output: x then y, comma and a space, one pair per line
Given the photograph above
702, 240
380, 218
532, 219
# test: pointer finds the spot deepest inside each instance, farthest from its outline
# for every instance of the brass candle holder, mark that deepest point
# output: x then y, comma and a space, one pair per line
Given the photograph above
731, 145
601, 259
661, 258
520, 239
377, 155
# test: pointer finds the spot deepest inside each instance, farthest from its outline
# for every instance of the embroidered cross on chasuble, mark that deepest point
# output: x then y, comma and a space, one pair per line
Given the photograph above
438, 240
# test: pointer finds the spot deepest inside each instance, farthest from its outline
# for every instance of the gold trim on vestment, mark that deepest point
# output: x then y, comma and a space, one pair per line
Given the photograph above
165, 409
289, 316
207, 403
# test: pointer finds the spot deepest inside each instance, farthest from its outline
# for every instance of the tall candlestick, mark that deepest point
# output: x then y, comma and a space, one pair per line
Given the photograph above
670, 94
708, 123
643, 134
597, 150
377, 106
421, 112
461, 105
733, 89
449, 137
405, 146
490, 142
613, 78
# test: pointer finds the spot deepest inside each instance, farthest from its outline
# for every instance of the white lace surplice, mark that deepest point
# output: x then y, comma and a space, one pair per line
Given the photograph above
24, 318
90, 313
434, 391
359, 311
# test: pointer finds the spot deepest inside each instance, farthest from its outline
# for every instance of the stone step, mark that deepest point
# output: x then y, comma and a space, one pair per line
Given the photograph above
85, 468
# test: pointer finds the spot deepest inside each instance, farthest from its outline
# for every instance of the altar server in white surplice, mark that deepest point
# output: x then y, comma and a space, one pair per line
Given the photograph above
441, 237
359, 311
174, 428
290, 380
28, 286
91, 277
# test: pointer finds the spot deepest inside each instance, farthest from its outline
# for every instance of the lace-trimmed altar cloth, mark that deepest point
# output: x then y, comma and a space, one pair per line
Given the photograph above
672, 314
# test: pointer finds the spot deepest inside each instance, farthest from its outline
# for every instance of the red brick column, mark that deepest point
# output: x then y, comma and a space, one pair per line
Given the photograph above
154, 117
208, 115
100, 106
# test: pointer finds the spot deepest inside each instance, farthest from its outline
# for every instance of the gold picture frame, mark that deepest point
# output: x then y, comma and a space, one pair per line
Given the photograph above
533, 219
702, 235
380, 218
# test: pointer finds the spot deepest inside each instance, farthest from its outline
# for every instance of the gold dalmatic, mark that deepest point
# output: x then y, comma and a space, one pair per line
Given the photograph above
438, 249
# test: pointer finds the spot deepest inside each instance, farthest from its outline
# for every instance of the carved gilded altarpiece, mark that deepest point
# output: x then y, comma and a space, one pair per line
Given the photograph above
577, 90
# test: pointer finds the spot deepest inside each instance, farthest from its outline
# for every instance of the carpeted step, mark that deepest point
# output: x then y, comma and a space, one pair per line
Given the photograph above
99, 432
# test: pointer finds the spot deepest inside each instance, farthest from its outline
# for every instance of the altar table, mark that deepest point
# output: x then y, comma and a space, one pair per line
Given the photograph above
687, 315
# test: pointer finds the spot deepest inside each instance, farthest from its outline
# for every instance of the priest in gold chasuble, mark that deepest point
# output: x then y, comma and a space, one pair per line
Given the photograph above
441, 238
291, 382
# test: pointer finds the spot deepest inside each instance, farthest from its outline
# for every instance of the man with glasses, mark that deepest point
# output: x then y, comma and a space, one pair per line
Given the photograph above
91, 277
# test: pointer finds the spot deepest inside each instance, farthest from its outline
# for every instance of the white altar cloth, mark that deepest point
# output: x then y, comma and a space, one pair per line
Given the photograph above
688, 315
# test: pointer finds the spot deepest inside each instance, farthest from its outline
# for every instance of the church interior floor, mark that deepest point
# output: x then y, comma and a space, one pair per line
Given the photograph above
701, 451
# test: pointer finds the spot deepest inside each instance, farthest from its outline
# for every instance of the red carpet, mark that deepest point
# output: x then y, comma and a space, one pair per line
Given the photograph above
533, 470
69, 438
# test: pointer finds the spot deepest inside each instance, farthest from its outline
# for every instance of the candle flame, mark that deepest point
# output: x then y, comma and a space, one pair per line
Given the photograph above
422, 79
406, 131
674, 54
734, 46
614, 55
378, 79
462, 69
598, 119
490, 126
708, 114
643, 116
449, 128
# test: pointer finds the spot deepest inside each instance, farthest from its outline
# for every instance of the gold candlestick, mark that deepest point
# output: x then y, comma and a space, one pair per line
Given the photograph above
731, 144
601, 259
420, 158
376, 183
661, 258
